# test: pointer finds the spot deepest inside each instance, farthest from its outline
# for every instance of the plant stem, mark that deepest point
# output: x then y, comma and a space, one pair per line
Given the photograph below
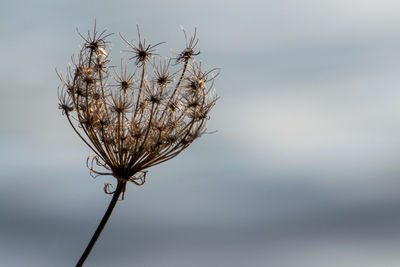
117, 193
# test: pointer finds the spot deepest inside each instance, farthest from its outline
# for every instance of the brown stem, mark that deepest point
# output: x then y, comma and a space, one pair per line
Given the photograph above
117, 193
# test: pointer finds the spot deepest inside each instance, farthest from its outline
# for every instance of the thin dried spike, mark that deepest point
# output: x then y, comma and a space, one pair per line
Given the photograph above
184, 33
94, 29
138, 31
81, 35
126, 41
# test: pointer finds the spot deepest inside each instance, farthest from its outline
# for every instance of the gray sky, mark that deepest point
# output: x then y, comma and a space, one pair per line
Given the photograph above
303, 170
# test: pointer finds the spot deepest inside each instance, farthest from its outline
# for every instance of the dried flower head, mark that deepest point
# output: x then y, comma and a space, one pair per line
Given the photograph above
190, 50
142, 52
135, 117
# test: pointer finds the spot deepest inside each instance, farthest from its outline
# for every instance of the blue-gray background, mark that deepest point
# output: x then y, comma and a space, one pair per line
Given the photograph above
302, 172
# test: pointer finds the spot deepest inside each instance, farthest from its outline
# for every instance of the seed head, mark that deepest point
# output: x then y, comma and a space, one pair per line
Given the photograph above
133, 120
142, 52
190, 50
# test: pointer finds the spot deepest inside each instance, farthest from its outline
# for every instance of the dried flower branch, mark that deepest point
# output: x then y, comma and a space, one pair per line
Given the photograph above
133, 120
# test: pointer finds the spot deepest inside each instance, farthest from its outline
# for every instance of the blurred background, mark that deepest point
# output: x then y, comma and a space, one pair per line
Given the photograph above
302, 172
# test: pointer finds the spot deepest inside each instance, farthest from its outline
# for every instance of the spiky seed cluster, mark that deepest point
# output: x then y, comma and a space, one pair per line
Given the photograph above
133, 120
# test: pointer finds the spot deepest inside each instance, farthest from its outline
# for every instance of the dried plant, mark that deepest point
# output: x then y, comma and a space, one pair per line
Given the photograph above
137, 116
